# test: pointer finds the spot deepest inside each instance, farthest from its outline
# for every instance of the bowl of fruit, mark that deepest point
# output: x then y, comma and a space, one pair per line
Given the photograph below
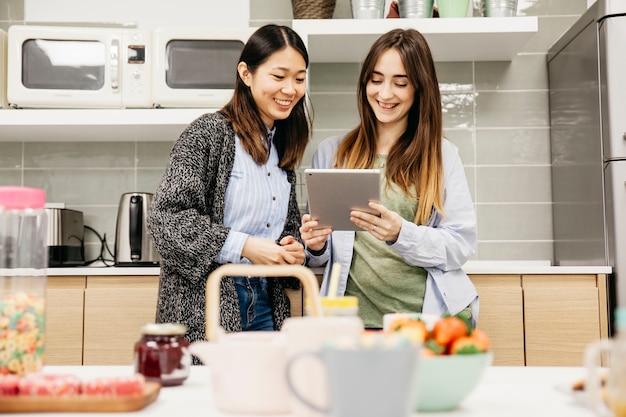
454, 357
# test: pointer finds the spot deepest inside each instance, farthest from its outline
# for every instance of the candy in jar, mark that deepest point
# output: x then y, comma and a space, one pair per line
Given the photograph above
23, 263
162, 354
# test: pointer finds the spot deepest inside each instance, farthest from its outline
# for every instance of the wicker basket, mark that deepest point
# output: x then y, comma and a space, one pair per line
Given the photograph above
313, 9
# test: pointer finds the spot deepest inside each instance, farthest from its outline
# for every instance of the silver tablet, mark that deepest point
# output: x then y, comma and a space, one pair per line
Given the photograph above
333, 193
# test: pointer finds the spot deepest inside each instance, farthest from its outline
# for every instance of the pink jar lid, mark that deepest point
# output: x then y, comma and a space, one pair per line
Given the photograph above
12, 198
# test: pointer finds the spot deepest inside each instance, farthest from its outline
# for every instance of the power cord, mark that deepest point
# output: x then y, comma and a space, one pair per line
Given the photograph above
104, 250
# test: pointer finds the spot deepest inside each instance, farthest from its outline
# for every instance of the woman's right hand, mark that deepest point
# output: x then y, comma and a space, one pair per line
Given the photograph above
314, 239
261, 251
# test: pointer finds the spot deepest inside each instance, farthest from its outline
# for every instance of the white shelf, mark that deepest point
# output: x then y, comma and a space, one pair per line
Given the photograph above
452, 39
93, 125
328, 40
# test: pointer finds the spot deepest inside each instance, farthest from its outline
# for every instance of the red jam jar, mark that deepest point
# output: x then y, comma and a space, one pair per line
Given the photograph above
162, 354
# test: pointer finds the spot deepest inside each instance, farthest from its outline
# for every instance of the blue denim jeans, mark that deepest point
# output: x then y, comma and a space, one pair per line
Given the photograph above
254, 303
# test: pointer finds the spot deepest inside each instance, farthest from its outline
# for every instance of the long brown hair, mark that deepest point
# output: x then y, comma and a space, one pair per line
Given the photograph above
293, 133
414, 162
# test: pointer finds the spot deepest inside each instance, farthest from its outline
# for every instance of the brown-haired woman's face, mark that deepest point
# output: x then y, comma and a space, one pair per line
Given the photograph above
389, 92
277, 85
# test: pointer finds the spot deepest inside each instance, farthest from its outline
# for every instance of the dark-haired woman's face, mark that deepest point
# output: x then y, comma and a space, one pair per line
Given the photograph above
277, 85
389, 92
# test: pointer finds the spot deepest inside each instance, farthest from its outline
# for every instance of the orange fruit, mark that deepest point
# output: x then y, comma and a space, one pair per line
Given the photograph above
482, 339
447, 329
414, 330
465, 345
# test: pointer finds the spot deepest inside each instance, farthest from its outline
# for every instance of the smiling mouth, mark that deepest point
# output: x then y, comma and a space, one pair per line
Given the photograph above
386, 106
283, 102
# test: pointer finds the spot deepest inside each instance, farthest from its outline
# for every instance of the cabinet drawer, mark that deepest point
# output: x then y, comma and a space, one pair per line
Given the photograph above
501, 316
64, 326
113, 318
562, 316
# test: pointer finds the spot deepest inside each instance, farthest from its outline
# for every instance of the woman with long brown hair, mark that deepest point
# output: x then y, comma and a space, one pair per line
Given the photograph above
228, 194
409, 258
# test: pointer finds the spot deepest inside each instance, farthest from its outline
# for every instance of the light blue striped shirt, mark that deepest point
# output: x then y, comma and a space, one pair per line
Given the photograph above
256, 203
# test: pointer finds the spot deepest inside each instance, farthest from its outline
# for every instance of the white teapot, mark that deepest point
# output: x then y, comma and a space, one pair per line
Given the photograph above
248, 368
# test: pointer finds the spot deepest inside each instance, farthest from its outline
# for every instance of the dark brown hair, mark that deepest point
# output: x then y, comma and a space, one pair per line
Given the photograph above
293, 133
414, 162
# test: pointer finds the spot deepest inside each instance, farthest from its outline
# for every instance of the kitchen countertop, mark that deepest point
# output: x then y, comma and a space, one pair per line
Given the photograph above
503, 391
471, 267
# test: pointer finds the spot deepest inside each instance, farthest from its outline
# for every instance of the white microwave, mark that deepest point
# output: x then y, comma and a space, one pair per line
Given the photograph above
78, 67
196, 67
3, 69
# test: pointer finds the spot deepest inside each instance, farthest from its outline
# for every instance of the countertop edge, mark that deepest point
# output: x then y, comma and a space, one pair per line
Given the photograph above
472, 268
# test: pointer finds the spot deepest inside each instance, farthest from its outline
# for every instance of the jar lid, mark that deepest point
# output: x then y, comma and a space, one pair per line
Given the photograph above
12, 197
347, 301
163, 329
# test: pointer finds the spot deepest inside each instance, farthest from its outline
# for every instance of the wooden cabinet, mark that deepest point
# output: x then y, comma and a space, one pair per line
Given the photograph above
542, 319
296, 299
535, 319
64, 321
562, 315
502, 316
115, 309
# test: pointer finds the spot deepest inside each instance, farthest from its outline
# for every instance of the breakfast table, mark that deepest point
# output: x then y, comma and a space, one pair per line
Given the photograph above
502, 391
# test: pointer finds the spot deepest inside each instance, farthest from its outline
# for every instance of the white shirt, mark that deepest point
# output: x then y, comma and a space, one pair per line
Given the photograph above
256, 203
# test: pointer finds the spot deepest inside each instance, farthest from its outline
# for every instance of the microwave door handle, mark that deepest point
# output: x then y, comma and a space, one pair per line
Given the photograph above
115, 65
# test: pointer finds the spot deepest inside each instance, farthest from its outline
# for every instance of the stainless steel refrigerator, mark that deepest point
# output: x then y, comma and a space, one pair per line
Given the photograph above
587, 77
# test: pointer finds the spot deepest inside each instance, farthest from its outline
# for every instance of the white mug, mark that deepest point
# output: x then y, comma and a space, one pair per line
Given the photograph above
309, 333
364, 382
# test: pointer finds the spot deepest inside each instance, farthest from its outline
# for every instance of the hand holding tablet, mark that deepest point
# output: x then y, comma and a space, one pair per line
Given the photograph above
333, 193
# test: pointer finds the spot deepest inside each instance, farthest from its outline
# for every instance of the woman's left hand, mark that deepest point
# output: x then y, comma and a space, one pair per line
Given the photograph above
294, 248
384, 227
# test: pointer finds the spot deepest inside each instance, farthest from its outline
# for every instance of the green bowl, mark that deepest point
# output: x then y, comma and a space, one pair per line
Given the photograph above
444, 381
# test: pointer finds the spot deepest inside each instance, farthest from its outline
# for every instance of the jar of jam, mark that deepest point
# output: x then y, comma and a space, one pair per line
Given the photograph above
162, 354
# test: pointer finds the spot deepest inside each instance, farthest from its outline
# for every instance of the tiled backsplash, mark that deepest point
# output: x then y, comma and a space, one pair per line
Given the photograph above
495, 112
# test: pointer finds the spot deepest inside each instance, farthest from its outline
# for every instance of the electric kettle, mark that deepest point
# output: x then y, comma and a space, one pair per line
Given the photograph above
133, 246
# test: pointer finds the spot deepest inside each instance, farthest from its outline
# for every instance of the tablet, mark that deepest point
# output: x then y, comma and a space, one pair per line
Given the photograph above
333, 193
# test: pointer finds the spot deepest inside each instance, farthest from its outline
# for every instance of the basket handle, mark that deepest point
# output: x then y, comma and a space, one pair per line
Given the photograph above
304, 274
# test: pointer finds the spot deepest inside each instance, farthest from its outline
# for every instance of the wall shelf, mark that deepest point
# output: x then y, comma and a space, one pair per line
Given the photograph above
452, 39
95, 125
328, 40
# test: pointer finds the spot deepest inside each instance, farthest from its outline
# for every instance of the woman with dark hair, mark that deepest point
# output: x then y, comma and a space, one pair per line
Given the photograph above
228, 194
409, 258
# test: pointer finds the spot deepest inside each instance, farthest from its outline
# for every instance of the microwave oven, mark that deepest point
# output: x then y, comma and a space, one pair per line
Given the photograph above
3, 69
196, 67
78, 67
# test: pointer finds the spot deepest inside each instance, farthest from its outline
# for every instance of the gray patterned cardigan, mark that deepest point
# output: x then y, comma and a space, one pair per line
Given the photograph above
186, 225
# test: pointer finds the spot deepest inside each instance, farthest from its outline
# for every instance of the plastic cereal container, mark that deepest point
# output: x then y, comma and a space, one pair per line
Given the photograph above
23, 278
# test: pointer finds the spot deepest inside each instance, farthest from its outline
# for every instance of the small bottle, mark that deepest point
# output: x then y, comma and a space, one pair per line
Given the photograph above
162, 354
23, 279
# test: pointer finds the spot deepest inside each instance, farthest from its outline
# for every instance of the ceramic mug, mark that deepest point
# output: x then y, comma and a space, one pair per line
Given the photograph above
309, 333
364, 382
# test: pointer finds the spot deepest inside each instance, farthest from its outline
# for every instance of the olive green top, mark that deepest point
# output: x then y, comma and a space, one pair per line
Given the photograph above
379, 276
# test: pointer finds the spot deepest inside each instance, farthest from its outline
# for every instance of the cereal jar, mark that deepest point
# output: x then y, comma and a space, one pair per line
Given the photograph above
23, 263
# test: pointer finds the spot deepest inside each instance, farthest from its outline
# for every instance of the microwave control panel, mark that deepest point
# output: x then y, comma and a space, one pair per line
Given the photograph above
136, 73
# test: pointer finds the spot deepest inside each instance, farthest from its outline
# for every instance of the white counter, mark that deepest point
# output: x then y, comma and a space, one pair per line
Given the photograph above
503, 391
471, 267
